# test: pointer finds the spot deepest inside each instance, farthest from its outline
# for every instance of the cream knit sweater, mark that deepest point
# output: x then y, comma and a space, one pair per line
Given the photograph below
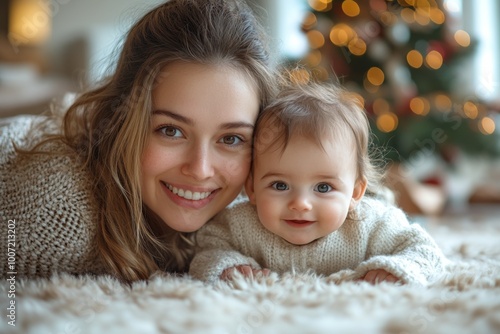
47, 207
382, 239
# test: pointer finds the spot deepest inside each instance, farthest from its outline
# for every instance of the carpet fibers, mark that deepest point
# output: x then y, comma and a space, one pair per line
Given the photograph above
466, 300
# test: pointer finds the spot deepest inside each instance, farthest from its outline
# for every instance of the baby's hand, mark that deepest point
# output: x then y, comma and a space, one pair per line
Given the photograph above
245, 270
379, 275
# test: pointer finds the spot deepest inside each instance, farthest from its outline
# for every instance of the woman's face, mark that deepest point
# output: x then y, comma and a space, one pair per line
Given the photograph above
198, 151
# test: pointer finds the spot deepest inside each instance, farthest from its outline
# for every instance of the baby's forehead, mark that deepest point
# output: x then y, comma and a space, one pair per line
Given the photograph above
272, 139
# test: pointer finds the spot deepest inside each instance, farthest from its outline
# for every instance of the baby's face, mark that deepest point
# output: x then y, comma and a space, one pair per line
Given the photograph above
305, 192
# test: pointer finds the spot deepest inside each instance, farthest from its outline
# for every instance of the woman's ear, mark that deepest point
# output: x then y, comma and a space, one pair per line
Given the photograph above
249, 188
358, 192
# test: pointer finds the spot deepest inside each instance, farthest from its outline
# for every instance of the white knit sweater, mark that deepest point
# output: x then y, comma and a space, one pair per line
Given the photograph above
382, 239
47, 204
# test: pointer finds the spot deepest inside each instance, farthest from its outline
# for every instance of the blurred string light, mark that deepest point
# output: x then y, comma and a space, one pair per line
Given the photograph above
320, 5
414, 59
387, 122
443, 103
487, 125
420, 106
425, 53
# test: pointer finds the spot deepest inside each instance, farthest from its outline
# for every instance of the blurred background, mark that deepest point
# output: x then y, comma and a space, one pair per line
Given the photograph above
426, 71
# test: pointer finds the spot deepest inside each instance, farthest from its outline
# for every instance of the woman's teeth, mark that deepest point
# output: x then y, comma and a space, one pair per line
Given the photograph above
188, 194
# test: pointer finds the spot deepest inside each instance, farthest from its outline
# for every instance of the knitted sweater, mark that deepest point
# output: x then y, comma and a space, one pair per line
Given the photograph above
46, 207
382, 239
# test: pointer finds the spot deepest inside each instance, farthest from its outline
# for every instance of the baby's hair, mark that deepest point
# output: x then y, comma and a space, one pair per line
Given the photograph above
316, 111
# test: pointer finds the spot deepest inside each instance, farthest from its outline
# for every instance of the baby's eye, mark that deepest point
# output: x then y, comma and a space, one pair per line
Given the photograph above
280, 186
170, 131
323, 188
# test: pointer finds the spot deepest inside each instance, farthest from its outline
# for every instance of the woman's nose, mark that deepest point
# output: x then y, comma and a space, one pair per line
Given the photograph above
300, 202
199, 162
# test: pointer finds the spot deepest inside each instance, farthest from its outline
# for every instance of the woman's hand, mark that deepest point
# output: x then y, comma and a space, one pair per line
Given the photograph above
245, 270
379, 275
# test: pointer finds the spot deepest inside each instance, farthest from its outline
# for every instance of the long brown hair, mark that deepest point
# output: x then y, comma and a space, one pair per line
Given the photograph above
108, 126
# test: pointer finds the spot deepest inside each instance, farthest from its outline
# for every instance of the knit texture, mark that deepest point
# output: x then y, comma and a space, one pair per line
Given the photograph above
49, 199
382, 239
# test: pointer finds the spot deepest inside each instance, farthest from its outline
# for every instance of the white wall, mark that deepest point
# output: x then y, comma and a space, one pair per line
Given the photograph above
85, 32
283, 19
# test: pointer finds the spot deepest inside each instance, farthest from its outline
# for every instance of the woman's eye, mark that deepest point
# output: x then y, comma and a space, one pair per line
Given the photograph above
280, 186
170, 131
231, 140
323, 188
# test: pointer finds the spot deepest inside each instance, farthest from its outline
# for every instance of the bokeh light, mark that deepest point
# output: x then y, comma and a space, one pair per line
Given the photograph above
420, 106
350, 8
487, 126
375, 76
462, 38
316, 39
434, 59
470, 110
414, 59
443, 103
387, 122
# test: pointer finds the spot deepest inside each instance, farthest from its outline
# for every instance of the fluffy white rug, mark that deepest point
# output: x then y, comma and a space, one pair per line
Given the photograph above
467, 300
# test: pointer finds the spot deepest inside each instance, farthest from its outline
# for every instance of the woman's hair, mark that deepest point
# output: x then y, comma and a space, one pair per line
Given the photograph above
108, 126
317, 111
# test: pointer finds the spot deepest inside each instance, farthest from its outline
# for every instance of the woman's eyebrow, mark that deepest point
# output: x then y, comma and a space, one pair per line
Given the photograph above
189, 121
235, 125
173, 115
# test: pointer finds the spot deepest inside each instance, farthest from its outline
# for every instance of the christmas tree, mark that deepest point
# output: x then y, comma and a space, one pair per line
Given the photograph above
402, 58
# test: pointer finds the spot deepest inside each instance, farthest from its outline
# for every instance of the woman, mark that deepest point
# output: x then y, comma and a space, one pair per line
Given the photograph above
147, 158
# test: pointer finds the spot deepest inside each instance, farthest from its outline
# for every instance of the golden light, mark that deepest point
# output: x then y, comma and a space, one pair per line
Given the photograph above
487, 126
381, 106
434, 60
341, 34
443, 102
350, 8
313, 59
422, 4
414, 59
408, 15
309, 21
420, 106
388, 18
437, 16
29, 22
387, 122
316, 39
462, 38
422, 17
357, 46
299, 76
320, 5
375, 76
320, 73
470, 110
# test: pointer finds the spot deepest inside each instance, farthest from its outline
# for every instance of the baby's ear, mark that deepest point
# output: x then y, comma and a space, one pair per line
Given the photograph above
358, 192
249, 188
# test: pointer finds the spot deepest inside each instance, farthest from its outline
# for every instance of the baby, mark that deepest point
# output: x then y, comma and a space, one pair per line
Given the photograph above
315, 201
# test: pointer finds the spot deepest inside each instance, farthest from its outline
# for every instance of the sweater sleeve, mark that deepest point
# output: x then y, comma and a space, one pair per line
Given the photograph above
217, 247
46, 204
405, 250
